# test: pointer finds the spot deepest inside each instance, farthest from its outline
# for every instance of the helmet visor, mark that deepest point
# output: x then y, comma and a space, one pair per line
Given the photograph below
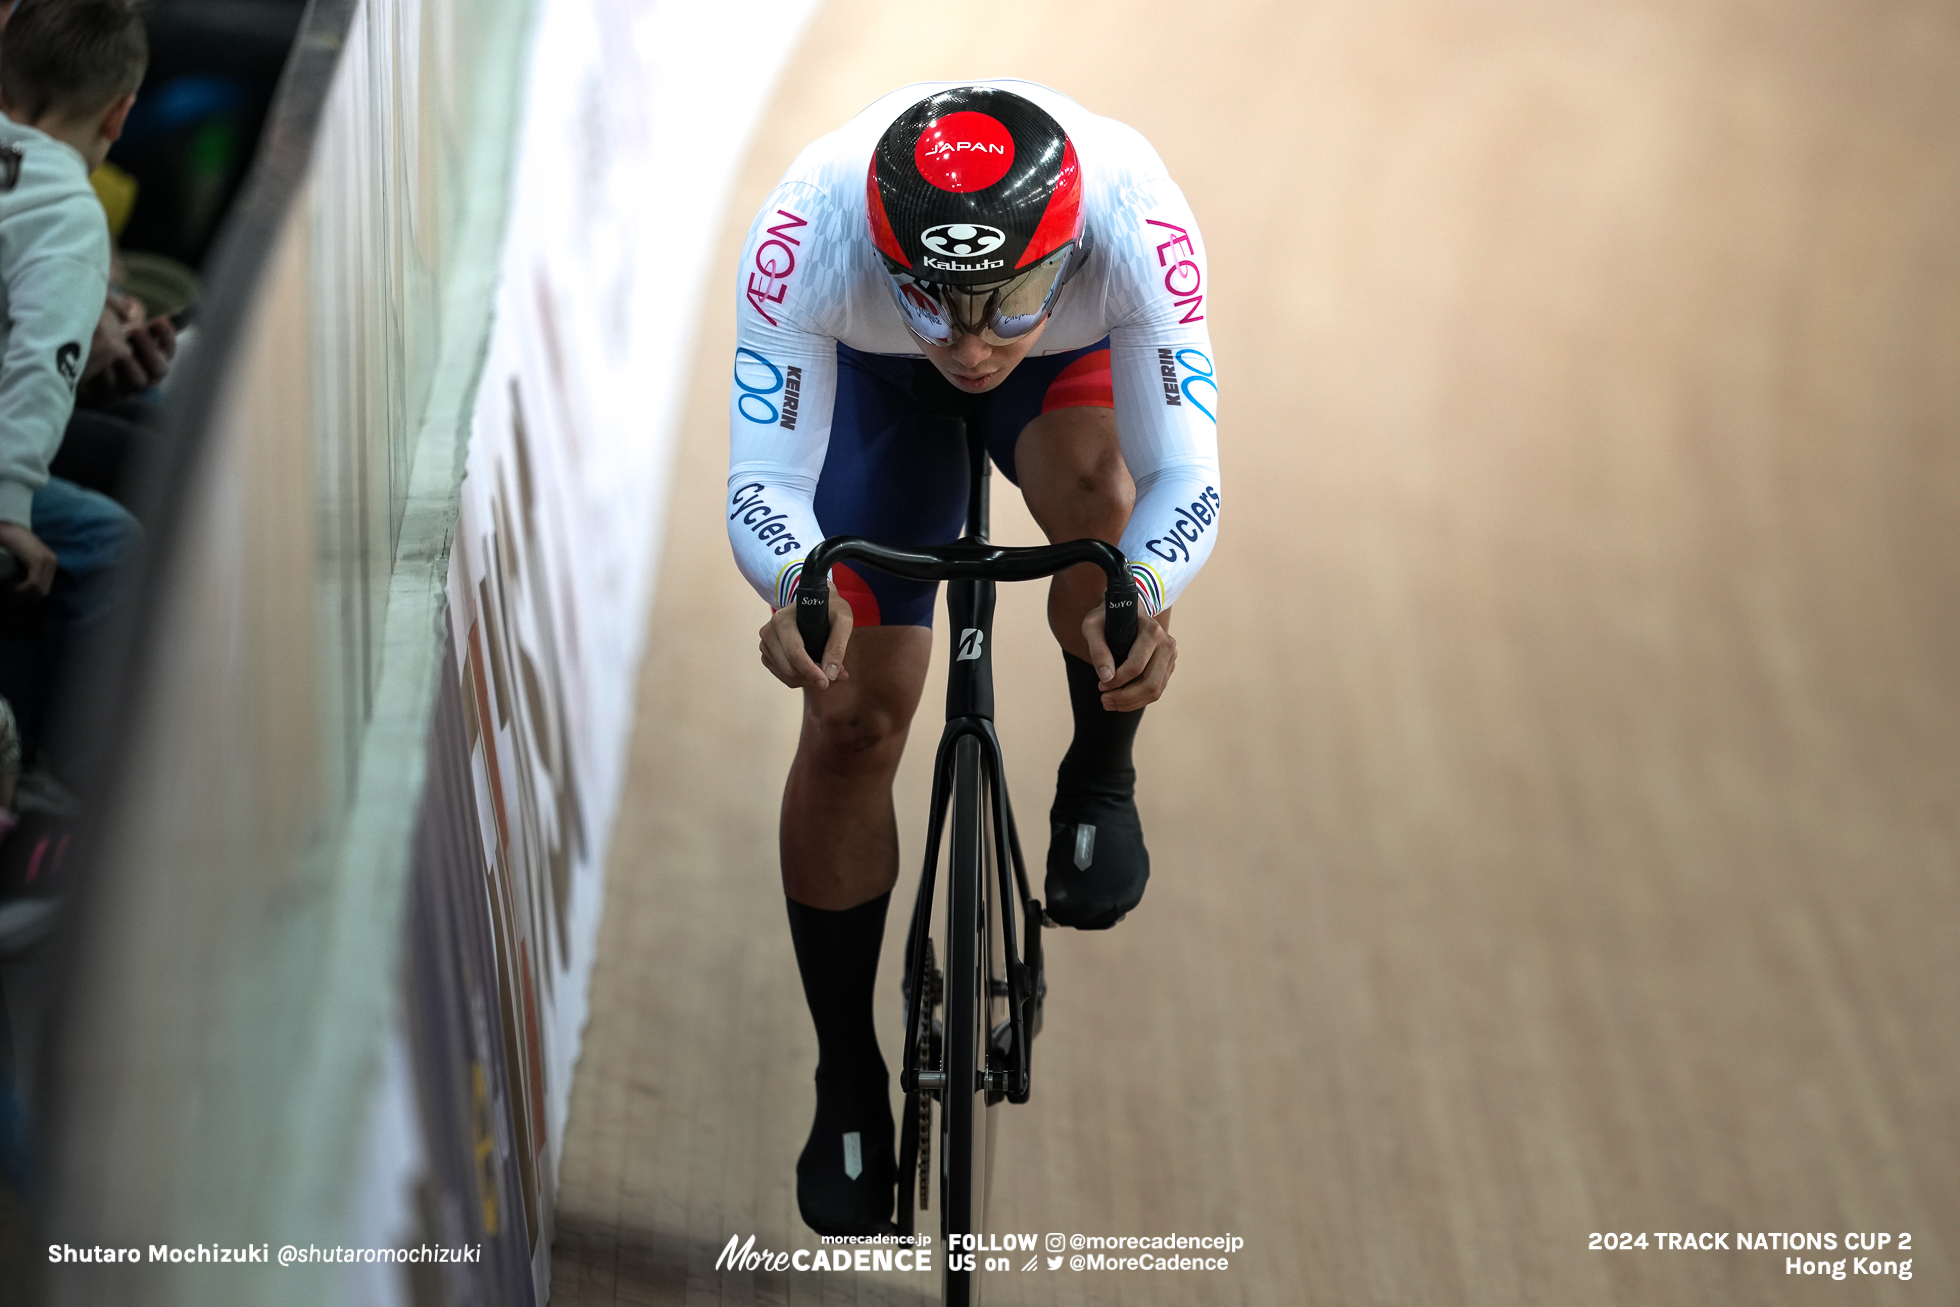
1000, 313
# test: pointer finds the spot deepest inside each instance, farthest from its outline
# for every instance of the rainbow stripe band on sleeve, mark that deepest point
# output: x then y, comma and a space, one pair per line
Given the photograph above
786, 583
1150, 586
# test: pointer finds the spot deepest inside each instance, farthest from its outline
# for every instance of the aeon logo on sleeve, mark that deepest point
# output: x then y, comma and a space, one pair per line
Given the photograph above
1184, 279
966, 240
965, 151
774, 261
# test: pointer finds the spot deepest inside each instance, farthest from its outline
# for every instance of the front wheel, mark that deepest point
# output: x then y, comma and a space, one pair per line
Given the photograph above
972, 1010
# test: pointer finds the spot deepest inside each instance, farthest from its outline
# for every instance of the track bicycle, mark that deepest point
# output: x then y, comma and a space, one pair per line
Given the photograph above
980, 1051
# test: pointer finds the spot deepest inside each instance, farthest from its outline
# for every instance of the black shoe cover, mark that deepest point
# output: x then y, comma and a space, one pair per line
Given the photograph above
847, 1174
1097, 864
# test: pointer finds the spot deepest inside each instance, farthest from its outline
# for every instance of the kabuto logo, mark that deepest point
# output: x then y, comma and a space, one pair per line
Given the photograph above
980, 266
68, 362
967, 240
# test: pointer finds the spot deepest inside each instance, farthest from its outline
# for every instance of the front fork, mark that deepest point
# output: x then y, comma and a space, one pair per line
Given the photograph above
1023, 972
969, 712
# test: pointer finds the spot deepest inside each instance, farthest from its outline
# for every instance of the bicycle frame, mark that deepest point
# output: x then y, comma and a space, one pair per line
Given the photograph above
973, 566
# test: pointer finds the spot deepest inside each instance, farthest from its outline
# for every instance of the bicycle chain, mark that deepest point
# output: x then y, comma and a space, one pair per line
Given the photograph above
929, 1000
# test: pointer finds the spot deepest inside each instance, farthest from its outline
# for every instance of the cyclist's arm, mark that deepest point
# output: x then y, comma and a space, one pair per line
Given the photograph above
779, 424
779, 410
1164, 377
779, 406
780, 394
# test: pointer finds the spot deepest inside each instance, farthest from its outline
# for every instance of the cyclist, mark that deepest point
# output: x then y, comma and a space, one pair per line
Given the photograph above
995, 253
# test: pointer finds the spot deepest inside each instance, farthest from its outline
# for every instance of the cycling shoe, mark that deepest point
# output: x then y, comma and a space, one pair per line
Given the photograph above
1097, 864
847, 1174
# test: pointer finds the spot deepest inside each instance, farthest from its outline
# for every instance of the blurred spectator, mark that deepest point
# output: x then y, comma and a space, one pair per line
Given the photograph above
128, 356
68, 75
69, 70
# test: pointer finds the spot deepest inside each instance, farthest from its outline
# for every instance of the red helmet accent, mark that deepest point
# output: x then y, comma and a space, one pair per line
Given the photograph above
881, 226
964, 151
1061, 221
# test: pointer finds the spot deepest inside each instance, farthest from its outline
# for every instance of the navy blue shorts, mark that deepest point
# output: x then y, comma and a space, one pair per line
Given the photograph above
896, 470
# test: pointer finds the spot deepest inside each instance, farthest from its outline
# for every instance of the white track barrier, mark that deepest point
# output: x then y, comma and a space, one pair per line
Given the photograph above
638, 116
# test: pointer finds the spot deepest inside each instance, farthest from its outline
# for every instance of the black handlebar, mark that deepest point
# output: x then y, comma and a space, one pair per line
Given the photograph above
966, 561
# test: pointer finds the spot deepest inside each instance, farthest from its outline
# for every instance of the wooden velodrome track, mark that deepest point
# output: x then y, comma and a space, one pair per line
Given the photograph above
1554, 813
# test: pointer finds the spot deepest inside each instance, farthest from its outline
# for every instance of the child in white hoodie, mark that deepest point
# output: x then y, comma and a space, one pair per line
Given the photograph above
69, 70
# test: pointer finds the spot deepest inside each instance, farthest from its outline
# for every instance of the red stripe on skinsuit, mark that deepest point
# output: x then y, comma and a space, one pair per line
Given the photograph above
1082, 384
864, 604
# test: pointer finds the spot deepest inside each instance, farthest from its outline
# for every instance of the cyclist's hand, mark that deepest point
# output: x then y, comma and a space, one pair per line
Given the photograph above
1145, 673
783, 653
37, 561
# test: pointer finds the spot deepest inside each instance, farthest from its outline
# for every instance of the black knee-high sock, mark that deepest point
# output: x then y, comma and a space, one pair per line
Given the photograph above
844, 1175
1098, 760
837, 954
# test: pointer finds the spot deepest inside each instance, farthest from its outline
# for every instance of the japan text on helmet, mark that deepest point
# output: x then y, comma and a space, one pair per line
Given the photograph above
974, 197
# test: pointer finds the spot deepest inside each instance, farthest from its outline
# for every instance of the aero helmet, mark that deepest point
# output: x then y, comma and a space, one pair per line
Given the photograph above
975, 203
